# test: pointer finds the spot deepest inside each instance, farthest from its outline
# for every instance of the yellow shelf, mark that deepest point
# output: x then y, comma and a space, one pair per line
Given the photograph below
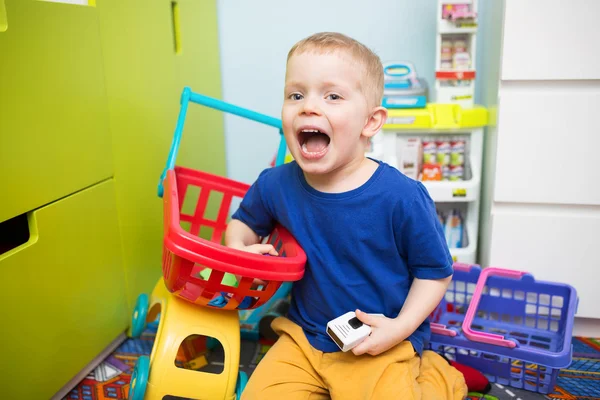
436, 116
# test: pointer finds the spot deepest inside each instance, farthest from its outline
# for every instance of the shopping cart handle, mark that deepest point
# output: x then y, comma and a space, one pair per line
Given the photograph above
457, 266
231, 109
441, 329
186, 96
485, 337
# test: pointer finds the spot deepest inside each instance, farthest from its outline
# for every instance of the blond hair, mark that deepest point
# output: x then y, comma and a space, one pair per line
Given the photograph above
333, 41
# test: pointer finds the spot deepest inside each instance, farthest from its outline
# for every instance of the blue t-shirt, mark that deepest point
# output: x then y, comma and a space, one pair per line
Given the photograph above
363, 246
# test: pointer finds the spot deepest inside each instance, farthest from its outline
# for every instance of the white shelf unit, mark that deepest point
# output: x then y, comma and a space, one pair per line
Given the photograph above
455, 81
463, 195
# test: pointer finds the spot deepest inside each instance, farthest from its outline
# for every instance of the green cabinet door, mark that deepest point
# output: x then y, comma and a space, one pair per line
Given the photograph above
146, 69
54, 137
63, 294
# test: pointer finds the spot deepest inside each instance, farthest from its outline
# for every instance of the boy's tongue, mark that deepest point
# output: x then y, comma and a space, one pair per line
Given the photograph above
316, 143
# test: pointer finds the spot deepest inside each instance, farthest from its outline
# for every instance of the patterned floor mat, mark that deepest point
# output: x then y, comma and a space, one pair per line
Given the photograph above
110, 380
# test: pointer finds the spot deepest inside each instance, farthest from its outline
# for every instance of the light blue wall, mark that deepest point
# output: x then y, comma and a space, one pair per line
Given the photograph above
255, 36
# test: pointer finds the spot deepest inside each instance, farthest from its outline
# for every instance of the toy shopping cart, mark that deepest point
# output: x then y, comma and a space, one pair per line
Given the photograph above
204, 283
514, 329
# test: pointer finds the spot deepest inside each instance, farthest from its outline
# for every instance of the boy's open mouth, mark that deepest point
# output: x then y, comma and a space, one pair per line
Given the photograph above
313, 142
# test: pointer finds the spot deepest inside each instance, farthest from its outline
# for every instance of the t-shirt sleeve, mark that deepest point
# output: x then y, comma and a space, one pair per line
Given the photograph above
254, 211
420, 238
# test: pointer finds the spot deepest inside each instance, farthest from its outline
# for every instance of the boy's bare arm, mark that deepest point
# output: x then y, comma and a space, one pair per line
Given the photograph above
424, 295
240, 236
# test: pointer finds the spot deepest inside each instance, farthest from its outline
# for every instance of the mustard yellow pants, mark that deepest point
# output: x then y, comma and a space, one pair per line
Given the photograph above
292, 370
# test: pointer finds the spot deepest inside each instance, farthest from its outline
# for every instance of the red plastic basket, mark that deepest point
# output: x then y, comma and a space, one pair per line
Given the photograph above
186, 255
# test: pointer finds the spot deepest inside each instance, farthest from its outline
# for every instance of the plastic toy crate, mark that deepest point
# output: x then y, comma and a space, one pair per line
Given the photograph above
187, 257
515, 330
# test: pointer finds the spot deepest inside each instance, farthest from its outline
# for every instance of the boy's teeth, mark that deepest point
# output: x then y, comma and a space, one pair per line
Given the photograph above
305, 149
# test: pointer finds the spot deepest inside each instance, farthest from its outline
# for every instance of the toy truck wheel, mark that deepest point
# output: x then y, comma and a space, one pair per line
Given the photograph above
139, 379
241, 384
140, 312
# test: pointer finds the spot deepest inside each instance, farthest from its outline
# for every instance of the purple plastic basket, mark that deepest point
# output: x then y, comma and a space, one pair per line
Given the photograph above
537, 316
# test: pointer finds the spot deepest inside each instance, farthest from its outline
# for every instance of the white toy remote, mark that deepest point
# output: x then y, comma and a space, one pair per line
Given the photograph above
347, 331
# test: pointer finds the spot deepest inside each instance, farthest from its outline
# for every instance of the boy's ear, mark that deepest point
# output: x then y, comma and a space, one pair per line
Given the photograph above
375, 121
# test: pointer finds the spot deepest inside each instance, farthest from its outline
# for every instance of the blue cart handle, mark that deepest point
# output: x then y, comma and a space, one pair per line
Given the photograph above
211, 102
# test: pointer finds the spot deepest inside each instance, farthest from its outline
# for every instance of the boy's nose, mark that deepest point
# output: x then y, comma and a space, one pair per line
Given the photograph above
310, 107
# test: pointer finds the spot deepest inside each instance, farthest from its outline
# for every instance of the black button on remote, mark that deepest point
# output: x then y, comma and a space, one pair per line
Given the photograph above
355, 323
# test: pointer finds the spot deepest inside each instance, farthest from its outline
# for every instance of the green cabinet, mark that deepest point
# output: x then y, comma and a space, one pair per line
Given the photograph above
63, 293
54, 137
89, 97
145, 75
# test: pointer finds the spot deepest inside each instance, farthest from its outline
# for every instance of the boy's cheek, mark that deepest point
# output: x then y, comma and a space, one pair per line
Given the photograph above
289, 138
287, 113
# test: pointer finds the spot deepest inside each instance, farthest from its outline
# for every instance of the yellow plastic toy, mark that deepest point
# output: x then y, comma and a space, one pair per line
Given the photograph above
180, 319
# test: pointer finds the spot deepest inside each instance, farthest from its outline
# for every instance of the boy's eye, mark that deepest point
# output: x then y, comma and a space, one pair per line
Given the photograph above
296, 96
334, 96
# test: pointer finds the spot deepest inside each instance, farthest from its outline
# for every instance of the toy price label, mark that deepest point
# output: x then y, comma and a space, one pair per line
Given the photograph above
459, 193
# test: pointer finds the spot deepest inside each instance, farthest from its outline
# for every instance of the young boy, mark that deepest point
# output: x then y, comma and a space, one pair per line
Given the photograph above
371, 236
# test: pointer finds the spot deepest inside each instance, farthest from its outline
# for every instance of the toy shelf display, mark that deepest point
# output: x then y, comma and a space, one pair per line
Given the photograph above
441, 145
455, 52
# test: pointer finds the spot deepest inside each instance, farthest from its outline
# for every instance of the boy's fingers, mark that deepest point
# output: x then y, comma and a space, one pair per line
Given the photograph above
362, 348
366, 318
268, 249
263, 249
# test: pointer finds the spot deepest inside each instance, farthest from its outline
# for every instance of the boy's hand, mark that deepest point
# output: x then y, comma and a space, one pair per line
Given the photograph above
385, 334
258, 249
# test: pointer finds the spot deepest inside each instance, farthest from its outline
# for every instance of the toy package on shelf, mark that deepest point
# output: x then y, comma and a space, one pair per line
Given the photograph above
454, 53
454, 228
460, 14
410, 156
402, 88
437, 158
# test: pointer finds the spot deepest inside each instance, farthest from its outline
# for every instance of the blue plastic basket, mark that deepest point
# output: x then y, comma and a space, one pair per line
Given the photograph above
537, 316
